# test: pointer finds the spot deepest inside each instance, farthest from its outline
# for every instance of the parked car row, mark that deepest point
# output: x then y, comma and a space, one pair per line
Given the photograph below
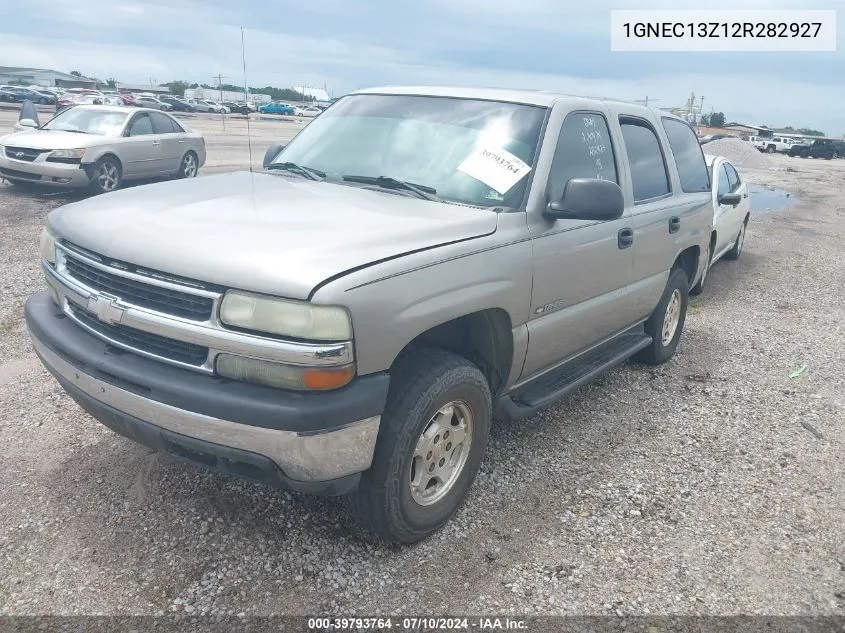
19, 94
819, 148
305, 111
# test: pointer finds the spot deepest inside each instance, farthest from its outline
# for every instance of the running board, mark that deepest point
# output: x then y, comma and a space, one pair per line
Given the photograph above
562, 381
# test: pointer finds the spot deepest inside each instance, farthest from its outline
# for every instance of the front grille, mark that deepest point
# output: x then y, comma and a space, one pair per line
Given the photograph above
165, 300
23, 153
168, 348
14, 173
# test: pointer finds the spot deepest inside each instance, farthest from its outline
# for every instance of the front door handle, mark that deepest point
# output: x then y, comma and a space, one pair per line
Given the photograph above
156, 142
674, 224
625, 237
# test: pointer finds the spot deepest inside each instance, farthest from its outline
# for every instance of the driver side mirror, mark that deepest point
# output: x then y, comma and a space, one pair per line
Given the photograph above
26, 123
588, 199
731, 199
271, 153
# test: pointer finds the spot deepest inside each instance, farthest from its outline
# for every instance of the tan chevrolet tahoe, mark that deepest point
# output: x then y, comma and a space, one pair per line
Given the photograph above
414, 264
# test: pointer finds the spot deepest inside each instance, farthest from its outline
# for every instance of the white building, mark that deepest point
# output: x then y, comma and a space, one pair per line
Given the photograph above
43, 77
317, 93
216, 95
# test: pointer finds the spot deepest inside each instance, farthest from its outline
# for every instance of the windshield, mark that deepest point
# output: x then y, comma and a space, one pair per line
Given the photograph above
470, 151
102, 122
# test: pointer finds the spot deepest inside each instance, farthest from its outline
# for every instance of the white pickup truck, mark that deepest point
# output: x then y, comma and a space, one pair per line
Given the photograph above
773, 144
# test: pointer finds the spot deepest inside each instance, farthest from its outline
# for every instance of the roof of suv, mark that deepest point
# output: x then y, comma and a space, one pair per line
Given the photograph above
530, 97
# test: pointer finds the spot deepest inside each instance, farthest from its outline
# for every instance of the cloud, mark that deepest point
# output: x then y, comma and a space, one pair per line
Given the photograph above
349, 44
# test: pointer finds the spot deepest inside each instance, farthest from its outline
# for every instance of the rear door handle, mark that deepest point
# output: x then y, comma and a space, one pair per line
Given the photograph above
625, 237
674, 224
156, 142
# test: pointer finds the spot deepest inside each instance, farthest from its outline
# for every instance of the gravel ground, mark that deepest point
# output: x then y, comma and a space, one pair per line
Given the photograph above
710, 485
740, 153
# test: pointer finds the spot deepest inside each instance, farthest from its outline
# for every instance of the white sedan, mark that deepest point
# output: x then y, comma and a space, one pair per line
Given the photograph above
731, 211
307, 111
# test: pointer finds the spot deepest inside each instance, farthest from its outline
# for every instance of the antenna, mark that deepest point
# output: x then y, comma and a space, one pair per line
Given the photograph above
246, 99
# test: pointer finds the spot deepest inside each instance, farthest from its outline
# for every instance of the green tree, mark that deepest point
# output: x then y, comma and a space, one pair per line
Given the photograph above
111, 82
76, 73
806, 131
705, 119
177, 87
717, 119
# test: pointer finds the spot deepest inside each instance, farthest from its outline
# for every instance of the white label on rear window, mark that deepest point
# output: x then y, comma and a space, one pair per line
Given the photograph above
495, 167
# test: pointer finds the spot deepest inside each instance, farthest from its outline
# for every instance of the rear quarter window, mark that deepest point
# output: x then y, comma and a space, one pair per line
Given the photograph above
649, 177
689, 158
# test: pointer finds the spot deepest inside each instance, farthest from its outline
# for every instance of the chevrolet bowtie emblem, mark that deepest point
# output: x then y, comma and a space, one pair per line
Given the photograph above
106, 308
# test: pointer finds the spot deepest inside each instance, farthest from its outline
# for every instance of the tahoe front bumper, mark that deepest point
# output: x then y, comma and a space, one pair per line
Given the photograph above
313, 442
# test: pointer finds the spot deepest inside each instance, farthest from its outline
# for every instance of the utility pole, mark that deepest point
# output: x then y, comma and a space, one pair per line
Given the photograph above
646, 100
219, 79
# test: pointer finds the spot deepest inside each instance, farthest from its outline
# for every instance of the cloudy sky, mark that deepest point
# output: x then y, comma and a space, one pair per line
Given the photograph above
350, 44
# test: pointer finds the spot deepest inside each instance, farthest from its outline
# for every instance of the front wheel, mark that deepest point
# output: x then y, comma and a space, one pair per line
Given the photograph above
189, 166
433, 435
106, 175
667, 321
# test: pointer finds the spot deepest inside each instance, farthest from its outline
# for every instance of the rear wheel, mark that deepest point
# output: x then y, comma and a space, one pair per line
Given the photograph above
770, 149
666, 323
189, 166
736, 251
433, 435
107, 175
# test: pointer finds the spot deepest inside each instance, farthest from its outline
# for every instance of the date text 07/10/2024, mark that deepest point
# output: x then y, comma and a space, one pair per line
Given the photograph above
417, 624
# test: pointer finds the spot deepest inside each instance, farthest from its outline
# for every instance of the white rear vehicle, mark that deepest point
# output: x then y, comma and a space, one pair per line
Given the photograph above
731, 211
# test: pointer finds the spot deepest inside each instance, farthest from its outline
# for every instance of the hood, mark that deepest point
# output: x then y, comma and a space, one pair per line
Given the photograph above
266, 233
52, 139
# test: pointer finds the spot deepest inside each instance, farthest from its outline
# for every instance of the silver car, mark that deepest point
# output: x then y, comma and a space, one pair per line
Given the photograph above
100, 147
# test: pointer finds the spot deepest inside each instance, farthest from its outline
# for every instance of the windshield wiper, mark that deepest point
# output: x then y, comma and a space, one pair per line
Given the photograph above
308, 172
386, 182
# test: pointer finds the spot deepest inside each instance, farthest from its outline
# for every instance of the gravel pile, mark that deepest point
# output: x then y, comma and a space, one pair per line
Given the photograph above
740, 153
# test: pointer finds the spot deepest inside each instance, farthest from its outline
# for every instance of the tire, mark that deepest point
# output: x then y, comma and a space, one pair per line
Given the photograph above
665, 329
698, 288
43, 101
736, 251
770, 149
106, 175
424, 383
188, 166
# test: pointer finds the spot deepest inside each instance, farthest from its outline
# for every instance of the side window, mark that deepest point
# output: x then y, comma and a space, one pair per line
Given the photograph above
648, 167
583, 150
733, 177
724, 181
162, 124
689, 157
140, 125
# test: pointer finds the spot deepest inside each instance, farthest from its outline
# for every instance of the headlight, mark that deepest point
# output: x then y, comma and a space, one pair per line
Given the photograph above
47, 245
296, 319
67, 153
270, 374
